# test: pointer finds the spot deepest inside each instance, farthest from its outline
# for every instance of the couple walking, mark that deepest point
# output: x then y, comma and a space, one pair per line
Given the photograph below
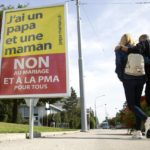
133, 84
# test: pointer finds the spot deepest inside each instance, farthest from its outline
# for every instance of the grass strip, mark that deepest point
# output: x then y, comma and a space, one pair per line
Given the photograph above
20, 128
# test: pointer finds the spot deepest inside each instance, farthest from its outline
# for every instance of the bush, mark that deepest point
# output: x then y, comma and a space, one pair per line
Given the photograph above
129, 120
57, 118
19, 118
92, 123
64, 117
25, 121
45, 120
5, 119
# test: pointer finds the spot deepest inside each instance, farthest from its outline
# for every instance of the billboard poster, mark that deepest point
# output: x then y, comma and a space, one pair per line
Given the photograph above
34, 53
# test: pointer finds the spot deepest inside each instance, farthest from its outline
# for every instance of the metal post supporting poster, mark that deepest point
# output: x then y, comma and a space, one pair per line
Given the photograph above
31, 102
83, 107
31, 118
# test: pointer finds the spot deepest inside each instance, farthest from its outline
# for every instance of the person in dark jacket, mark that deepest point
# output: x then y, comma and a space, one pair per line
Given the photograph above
52, 121
133, 85
143, 47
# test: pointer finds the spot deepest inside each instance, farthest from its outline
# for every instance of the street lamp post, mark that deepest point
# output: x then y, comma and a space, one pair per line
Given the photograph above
81, 80
95, 110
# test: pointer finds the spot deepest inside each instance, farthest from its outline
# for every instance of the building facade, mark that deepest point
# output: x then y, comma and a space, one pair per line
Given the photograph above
39, 112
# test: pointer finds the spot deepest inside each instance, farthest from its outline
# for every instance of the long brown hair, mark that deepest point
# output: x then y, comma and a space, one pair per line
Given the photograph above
127, 39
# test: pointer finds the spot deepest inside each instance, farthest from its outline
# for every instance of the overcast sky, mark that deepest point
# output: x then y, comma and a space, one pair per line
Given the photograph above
103, 22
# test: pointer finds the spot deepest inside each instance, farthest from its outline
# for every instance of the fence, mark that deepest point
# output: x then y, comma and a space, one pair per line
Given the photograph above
62, 125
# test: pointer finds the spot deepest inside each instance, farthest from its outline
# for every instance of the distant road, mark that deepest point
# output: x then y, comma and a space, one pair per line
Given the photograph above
100, 139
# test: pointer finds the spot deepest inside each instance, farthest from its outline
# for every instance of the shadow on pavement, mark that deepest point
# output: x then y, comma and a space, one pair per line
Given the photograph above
114, 134
90, 138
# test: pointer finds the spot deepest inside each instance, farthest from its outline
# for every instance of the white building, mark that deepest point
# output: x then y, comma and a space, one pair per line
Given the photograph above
39, 112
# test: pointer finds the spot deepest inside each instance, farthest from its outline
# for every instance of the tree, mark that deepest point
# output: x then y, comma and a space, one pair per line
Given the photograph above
15, 104
64, 117
73, 110
71, 103
92, 119
112, 121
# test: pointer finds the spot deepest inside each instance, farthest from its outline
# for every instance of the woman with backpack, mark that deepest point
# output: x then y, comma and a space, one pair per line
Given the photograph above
133, 85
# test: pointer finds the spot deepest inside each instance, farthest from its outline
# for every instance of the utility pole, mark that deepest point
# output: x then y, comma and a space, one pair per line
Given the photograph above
96, 110
83, 107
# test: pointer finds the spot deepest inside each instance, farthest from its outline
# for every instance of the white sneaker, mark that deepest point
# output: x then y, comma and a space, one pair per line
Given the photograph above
137, 135
147, 127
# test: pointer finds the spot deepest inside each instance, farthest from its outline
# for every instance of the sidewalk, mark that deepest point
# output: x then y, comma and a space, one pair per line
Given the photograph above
21, 136
100, 139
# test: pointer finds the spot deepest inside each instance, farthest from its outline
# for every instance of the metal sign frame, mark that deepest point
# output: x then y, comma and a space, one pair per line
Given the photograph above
67, 93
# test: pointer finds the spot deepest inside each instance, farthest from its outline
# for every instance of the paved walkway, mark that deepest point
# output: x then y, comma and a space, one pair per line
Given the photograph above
92, 140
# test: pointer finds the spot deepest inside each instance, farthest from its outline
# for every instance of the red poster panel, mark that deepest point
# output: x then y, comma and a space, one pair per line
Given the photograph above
33, 75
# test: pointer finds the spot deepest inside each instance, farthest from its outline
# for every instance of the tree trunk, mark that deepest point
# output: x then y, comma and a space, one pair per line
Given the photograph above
15, 111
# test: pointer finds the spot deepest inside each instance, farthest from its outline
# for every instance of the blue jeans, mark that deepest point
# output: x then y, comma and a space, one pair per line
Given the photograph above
147, 91
133, 91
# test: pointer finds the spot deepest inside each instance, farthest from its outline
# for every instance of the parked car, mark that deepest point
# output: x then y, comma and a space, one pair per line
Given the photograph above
105, 125
118, 125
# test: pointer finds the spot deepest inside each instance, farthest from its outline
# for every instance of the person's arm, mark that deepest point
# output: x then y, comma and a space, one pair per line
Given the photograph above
147, 60
119, 65
140, 48
123, 48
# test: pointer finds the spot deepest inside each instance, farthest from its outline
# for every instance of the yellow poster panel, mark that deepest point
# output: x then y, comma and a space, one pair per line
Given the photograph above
34, 32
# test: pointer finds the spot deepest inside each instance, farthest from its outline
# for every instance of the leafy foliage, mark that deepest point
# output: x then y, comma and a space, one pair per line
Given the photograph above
92, 120
70, 103
73, 111
129, 118
71, 114
5, 110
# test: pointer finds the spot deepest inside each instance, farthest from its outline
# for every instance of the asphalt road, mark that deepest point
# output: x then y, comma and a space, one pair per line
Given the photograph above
92, 140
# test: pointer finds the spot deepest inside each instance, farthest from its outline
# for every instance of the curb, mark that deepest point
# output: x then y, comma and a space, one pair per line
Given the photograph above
11, 136
48, 134
23, 136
